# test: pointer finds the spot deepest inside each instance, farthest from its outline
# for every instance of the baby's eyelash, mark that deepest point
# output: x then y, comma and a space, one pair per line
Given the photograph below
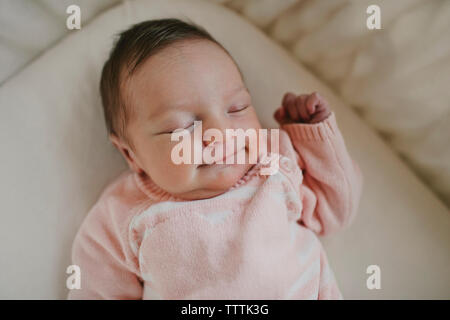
191, 125
240, 109
185, 128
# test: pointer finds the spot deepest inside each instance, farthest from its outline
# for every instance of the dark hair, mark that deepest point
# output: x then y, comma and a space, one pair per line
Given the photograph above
133, 47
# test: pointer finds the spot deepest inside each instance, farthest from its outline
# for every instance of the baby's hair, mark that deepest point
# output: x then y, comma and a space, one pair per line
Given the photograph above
133, 47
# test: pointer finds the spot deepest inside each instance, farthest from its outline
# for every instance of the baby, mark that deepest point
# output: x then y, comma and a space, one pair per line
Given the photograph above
209, 231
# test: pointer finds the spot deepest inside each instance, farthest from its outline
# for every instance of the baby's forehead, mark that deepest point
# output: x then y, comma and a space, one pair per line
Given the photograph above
235, 94
184, 76
204, 55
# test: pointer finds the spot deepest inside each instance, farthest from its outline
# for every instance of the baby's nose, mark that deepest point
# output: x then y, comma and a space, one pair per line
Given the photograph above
214, 142
214, 131
224, 147
208, 142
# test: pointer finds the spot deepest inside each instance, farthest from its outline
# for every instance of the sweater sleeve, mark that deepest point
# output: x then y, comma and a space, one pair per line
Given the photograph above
109, 269
332, 181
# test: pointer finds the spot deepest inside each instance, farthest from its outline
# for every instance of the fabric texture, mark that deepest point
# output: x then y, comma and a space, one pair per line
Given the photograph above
256, 241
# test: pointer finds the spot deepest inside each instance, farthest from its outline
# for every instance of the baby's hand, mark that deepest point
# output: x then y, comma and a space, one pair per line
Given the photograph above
305, 108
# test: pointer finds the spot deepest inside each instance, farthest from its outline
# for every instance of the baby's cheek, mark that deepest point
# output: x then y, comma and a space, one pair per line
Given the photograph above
166, 173
177, 178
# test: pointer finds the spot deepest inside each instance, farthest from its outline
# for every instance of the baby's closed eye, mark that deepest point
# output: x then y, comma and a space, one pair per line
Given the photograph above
188, 125
237, 108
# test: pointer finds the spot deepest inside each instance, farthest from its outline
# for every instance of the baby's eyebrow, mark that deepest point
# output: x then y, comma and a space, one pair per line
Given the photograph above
238, 89
160, 113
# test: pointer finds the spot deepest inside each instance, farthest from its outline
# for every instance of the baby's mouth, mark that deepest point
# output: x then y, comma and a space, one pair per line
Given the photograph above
224, 160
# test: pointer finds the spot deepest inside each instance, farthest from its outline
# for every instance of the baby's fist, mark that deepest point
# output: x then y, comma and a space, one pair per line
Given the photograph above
305, 108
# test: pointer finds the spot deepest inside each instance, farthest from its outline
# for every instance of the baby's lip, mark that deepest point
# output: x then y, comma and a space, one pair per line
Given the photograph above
223, 159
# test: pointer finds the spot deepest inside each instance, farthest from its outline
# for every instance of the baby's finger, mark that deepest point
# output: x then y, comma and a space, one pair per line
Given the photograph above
302, 108
277, 115
313, 102
289, 96
293, 113
320, 116
280, 116
288, 99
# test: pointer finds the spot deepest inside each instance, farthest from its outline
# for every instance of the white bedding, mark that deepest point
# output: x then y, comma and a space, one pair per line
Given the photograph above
398, 77
56, 160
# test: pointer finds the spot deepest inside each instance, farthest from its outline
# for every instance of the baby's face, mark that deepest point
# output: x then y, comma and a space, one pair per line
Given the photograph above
192, 80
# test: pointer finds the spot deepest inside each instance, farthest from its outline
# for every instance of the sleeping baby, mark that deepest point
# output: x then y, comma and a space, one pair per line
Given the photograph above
210, 230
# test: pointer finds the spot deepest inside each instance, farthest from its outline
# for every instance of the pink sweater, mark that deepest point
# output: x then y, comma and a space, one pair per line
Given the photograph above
256, 241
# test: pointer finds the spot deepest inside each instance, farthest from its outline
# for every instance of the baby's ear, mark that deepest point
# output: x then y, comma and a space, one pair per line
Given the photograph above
126, 151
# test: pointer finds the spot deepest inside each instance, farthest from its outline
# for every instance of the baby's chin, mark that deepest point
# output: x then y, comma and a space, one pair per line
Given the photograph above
223, 176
